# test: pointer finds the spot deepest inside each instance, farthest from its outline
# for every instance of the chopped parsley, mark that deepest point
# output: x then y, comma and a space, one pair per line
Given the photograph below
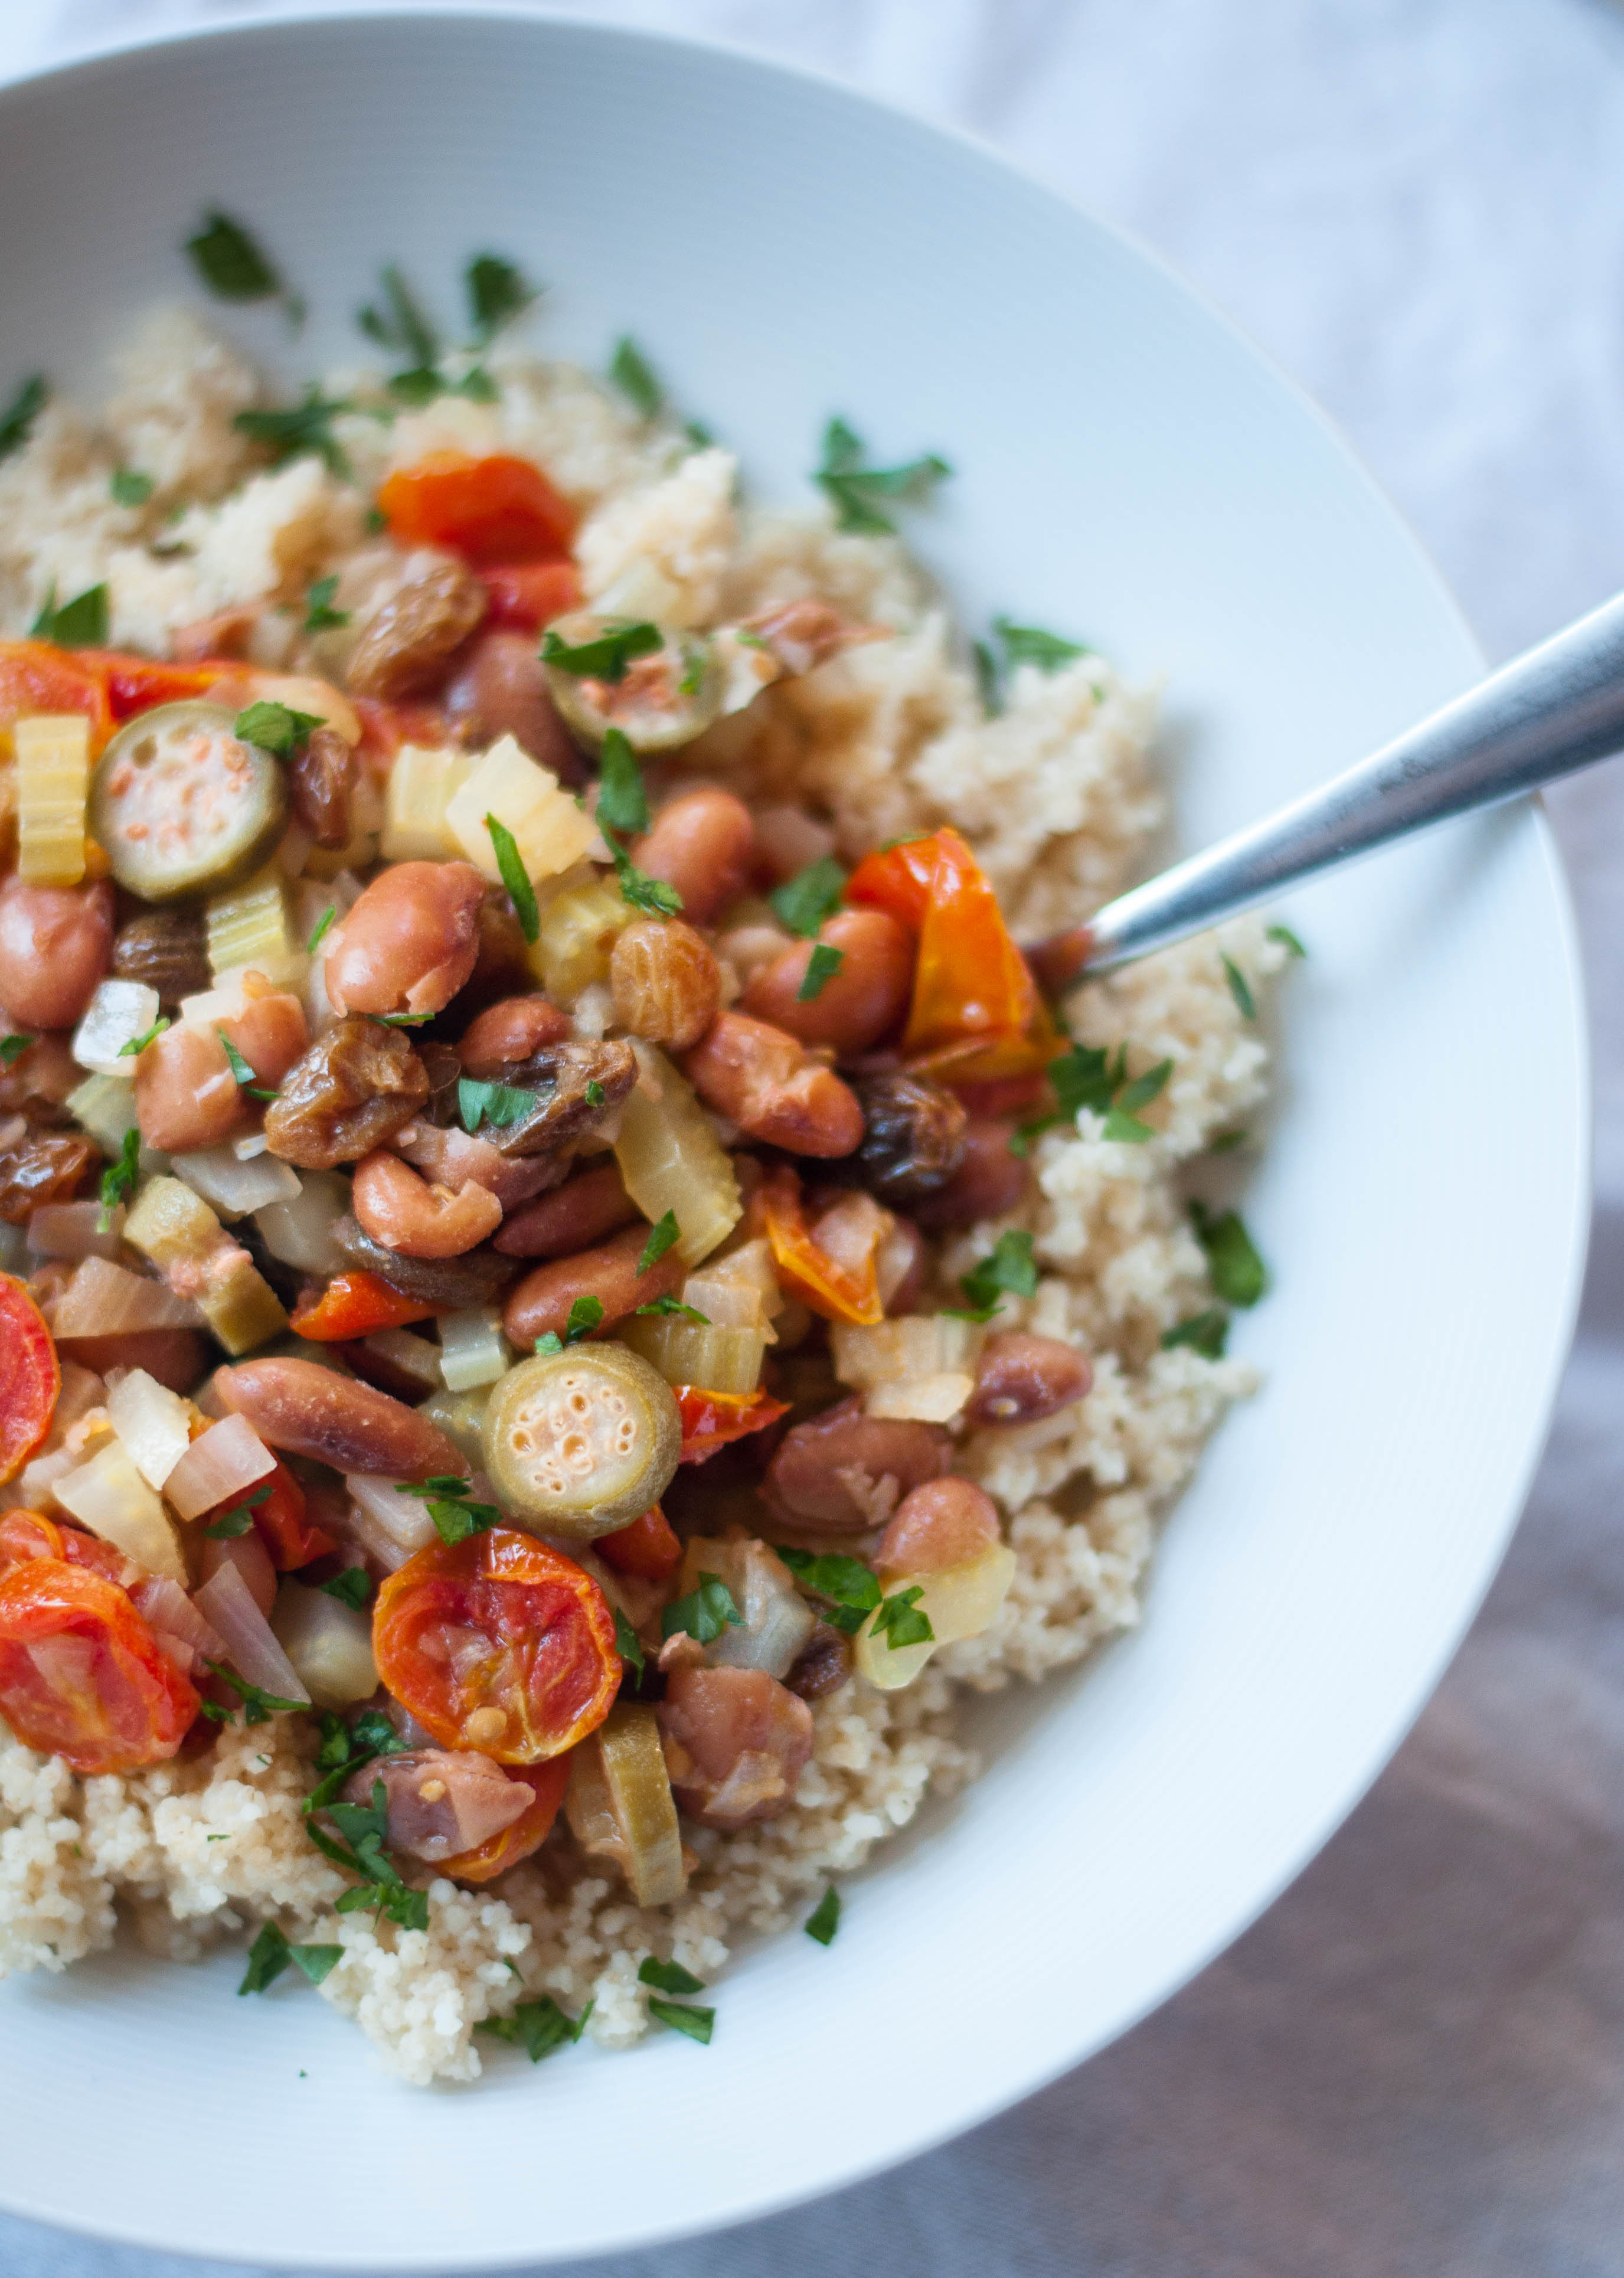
1282, 933
824, 1918
258, 1707
849, 1586
986, 675
16, 420
241, 1071
497, 294
515, 877
698, 2024
538, 2027
804, 901
13, 1048
635, 376
118, 1179
1205, 1333
399, 1020
235, 1523
499, 1105
638, 887
668, 1977
275, 728
1088, 1077
400, 325
856, 491
608, 655
233, 265
1031, 645
320, 617
365, 1829
345, 1747
1236, 1272
299, 430
455, 1516
623, 804
595, 1092
81, 622
660, 1237
584, 1316
824, 962
1227, 1142
900, 1622
704, 1613
271, 1954
138, 1044
130, 487
1240, 988
1009, 1266
629, 1646
322, 925
352, 1588
674, 1307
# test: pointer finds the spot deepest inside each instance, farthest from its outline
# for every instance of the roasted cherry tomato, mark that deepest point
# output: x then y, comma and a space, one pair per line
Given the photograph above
30, 1377
29, 1534
499, 509
36, 676
138, 684
498, 1643
81, 1676
526, 596
649, 1548
385, 728
806, 1271
356, 1305
711, 1419
546, 1783
280, 1522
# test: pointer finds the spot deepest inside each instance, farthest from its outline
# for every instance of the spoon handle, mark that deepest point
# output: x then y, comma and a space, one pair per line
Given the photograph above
1558, 707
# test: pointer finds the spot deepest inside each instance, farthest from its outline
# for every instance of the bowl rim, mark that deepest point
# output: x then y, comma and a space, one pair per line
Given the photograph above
106, 56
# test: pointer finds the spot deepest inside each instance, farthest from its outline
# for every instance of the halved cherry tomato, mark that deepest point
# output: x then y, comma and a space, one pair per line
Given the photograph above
498, 1643
711, 1419
385, 728
36, 676
495, 510
280, 1522
804, 1270
649, 1548
81, 1676
526, 596
493, 1857
135, 683
355, 1305
30, 1535
30, 1377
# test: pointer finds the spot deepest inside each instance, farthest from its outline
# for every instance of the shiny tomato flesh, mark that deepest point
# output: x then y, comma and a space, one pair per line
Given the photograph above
81, 1676
498, 1643
136, 683
30, 1377
546, 1783
495, 510
806, 1271
526, 596
386, 728
356, 1305
648, 1548
710, 1420
35, 677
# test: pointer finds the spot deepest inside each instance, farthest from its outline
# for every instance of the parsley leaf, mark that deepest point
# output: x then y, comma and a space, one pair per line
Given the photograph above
900, 1622
804, 901
1236, 1272
824, 1918
854, 490
138, 1044
400, 325
258, 1707
1240, 988
235, 1523
634, 375
824, 962
79, 623
230, 262
322, 924
499, 1105
846, 1583
1205, 1333
1029, 644
399, 1020
623, 804
16, 420
698, 2024
299, 429
353, 1587
629, 1646
986, 677
118, 1179
1282, 933
668, 1977
669, 1307
345, 1747
454, 1518
320, 617
585, 1315
704, 1613
497, 293
268, 1957
595, 1092
538, 2027
1009, 1266
317, 1962
1227, 1142
1089, 1077
275, 728
241, 1071
660, 1237
608, 655
130, 488
637, 887
515, 877
13, 1048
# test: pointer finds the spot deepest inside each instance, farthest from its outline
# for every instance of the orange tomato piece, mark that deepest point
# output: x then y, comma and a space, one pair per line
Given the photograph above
498, 1643
355, 1305
526, 596
649, 1548
806, 1271
36, 676
710, 1420
546, 1783
30, 1377
497, 509
81, 1676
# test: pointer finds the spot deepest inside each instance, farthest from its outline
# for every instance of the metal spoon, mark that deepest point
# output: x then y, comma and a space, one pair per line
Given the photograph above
1558, 707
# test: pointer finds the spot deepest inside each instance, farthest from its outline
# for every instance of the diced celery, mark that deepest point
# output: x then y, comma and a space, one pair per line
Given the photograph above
579, 928
249, 929
178, 1231
671, 1159
422, 783
171, 1225
472, 1349
53, 782
550, 829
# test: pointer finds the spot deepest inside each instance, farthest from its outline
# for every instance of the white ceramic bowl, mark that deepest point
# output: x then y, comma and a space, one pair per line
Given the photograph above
1130, 467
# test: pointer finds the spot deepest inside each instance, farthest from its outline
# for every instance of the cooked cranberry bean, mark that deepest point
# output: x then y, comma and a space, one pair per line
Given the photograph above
764, 1081
271, 1033
500, 690
667, 983
822, 1664
860, 1003
543, 1299
355, 1086
416, 1219
988, 1181
409, 942
477, 1277
843, 1470
309, 1410
38, 1081
1019, 1378
187, 1095
55, 944
789, 840
945, 1522
443, 1802
572, 1217
505, 1035
736, 1742
704, 845
450, 1159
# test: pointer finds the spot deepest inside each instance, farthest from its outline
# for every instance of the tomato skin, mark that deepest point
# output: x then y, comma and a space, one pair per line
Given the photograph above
280, 1522
802, 1268
30, 1377
135, 683
496, 510
354, 1305
37, 676
710, 1420
546, 1783
648, 1548
113, 1701
526, 596
553, 1669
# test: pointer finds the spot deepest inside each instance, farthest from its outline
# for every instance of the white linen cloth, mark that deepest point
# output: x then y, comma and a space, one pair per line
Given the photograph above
1415, 2062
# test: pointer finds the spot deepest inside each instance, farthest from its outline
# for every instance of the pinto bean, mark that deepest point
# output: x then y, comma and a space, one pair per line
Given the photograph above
913, 1142
543, 1299
667, 983
572, 1219
500, 690
943, 1523
165, 948
321, 776
407, 648
441, 1802
55, 943
271, 1033
988, 1181
843, 1470
187, 1095
704, 845
409, 942
506, 1034
764, 1081
305, 1410
354, 1088
736, 1742
1019, 1378
408, 1215
859, 1003
451, 1157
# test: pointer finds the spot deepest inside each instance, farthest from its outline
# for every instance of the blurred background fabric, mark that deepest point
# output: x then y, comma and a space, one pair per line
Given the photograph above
1415, 2060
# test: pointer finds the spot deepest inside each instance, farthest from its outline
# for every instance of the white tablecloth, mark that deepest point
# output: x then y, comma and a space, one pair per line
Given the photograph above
1416, 2061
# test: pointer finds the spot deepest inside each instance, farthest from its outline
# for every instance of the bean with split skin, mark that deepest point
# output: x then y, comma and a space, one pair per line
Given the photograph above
1021, 1378
506, 1034
55, 944
766, 1083
704, 845
573, 1218
945, 1522
862, 1000
416, 1219
187, 1093
829, 1474
500, 690
542, 1299
305, 1410
409, 942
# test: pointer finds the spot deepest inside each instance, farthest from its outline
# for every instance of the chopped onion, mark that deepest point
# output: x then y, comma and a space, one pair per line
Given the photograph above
119, 1013
226, 1461
778, 1620
106, 1108
299, 1232
958, 1601
109, 1495
232, 1188
413, 1356
152, 1422
103, 1300
330, 1644
251, 1143
472, 1349
75, 1230
391, 1528
920, 1366
227, 1605
922, 1399
227, 1000
168, 1613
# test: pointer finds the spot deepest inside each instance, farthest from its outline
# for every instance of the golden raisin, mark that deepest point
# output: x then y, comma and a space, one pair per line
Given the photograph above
667, 984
